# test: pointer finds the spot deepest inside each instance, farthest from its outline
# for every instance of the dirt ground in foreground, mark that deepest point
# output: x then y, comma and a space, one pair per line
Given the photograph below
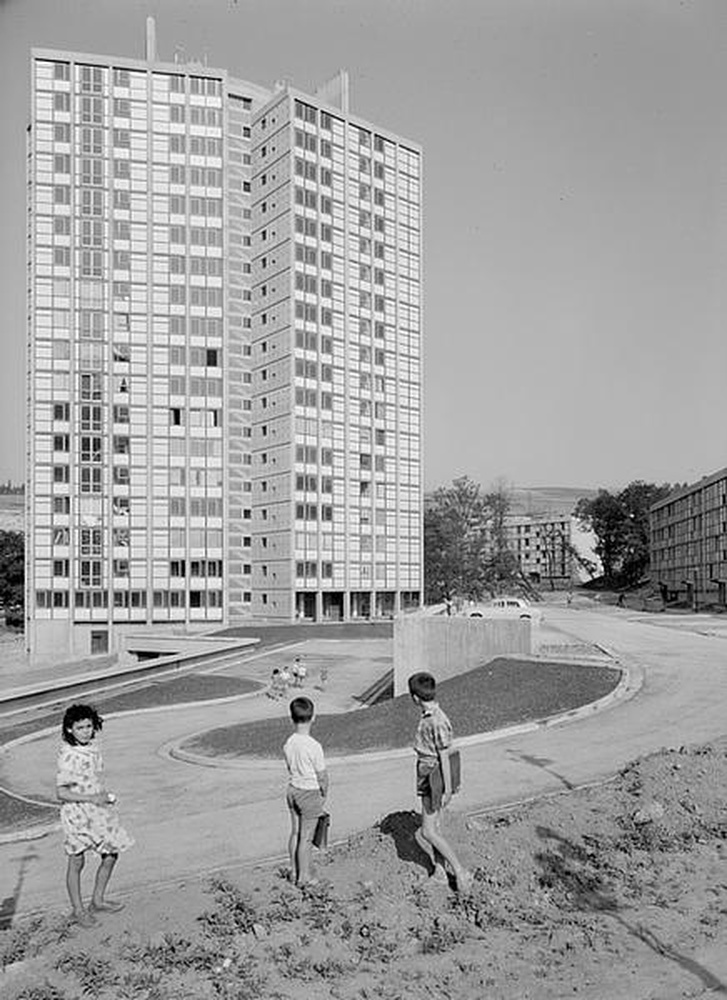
618, 891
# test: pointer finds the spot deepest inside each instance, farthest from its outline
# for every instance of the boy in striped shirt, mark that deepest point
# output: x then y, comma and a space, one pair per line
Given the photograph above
432, 743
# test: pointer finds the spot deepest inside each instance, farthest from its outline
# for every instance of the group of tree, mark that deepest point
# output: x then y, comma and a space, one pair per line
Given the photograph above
12, 574
466, 551
620, 522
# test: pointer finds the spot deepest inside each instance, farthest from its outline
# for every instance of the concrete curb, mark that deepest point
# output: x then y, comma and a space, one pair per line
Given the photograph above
628, 686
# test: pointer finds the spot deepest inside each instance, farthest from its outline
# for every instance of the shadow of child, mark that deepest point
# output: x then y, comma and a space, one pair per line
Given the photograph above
403, 827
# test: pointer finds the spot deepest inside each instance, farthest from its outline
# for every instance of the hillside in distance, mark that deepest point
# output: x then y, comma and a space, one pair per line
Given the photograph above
12, 512
547, 499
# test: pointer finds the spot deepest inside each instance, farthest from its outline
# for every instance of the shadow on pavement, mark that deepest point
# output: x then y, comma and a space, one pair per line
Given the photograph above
542, 762
9, 905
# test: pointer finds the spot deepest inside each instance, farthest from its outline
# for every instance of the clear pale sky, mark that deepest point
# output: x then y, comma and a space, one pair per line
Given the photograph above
575, 209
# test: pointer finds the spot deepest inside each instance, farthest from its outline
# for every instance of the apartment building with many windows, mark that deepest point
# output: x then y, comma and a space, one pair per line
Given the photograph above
224, 353
688, 542
542, 544
552, 548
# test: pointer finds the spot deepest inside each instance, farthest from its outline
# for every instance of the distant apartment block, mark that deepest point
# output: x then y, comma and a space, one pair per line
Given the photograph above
224, 365
689, 542
551, 548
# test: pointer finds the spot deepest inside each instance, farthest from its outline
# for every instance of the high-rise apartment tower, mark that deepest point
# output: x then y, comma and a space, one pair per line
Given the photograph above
224, 374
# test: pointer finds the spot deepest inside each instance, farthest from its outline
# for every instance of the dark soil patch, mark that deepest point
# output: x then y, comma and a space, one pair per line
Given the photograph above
150, 694
179, 691
15, 814
503, 692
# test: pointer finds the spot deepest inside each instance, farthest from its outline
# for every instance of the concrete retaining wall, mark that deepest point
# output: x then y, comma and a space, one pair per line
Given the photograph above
446, 646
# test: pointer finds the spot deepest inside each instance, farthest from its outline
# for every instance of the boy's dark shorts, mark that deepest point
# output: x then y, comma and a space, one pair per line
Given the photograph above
305, 802
425, 767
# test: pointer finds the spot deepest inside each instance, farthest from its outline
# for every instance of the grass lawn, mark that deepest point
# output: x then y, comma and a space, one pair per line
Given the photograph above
177, 691
16, 814
148, 694
503, 692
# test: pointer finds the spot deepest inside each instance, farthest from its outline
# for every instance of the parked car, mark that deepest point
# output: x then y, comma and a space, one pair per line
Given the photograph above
506, 607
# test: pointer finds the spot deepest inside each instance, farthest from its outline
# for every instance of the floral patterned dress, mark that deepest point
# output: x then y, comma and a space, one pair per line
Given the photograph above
86, 825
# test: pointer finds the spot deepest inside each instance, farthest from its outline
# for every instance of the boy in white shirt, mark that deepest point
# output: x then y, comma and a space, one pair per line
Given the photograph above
307, 788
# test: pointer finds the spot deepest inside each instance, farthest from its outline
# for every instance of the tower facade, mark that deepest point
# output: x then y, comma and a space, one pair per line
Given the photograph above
224, 354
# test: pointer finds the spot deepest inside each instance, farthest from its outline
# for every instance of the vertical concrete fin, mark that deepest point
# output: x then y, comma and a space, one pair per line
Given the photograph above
151, 40
335, 91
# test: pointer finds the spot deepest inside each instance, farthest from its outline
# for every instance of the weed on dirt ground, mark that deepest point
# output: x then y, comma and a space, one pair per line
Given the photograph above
616, 891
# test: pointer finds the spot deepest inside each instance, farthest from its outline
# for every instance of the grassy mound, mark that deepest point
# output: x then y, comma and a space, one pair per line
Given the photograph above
501, 693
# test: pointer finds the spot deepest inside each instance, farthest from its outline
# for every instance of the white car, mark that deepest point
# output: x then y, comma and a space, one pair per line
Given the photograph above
506, 607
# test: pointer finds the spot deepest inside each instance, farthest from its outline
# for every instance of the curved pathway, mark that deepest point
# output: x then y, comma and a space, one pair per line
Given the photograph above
202, 818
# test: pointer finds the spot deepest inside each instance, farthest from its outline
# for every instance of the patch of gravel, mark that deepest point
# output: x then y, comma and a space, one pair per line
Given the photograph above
571, 650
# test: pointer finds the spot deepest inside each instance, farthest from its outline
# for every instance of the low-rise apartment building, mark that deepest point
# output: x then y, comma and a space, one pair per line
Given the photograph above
688, 542
551, 547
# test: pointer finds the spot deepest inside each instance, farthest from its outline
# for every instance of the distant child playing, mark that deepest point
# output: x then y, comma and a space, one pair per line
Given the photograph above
299, 672
307, 788
432, 743
274, 691
88, 819
284, 678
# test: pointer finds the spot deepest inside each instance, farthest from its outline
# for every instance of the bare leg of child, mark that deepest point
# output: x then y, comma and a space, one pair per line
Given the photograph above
303, 851
98, 903
293, 844
438, 872
73, 884
442, 849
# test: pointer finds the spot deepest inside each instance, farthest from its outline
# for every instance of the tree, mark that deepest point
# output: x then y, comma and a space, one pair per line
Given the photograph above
620, 522
466, 551
603, 515
12, 568
455, 541
557, 552
636, 500
501, 566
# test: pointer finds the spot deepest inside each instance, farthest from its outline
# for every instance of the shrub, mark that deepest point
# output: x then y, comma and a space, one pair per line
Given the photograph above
30, 937
234, 913
92, 973
45, 992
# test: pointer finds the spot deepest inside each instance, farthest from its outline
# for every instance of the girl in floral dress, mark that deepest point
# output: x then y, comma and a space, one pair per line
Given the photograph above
88, 819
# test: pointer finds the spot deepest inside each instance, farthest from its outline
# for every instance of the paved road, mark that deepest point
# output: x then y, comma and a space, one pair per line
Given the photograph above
188, 819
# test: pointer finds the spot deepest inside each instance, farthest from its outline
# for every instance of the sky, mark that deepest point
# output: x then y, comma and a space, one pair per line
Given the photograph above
575, 218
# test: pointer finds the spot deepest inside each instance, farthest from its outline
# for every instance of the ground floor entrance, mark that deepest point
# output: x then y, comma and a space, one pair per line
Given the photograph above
354, 605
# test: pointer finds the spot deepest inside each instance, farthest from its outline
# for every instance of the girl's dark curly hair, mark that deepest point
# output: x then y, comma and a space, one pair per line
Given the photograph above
75, 714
